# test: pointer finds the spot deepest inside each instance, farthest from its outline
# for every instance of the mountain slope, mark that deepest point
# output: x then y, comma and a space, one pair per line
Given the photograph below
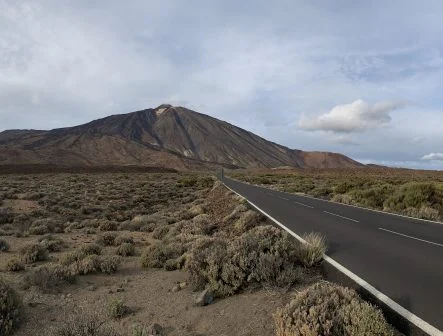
172, 137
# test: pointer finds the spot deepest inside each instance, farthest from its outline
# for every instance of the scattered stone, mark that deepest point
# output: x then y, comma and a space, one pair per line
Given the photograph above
175, 289
110, 291
204, 298
183, 285
119, 290
91, 288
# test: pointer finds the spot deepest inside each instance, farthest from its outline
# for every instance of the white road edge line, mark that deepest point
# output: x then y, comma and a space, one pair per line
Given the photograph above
411, 237
334, 214
348, 205
305, 205
417, 321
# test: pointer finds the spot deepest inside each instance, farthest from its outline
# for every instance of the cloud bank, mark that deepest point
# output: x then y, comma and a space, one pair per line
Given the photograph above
358, 116
433, 157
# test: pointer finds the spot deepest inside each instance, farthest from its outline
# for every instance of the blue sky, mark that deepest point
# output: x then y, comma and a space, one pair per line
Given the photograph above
364, 78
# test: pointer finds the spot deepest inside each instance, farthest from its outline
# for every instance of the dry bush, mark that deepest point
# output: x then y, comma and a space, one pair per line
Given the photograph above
4, 246
81, 263
83, 323
108, 226
311, 252
90, 249
126, 249
10, 309
50, 277
123, 239
52, 243
160, 232
329, 310
264, 255
15, 265
107, 239
117, 309
32, 253
156, 256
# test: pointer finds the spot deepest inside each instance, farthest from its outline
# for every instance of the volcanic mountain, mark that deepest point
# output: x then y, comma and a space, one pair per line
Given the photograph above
167, 136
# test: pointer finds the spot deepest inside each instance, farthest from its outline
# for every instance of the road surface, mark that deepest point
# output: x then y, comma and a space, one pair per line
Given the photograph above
401, 257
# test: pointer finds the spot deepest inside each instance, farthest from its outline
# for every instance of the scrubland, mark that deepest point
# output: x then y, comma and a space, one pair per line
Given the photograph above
412, 193
159, 254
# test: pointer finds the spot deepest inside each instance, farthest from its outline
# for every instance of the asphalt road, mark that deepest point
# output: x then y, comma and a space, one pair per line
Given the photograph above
401, 257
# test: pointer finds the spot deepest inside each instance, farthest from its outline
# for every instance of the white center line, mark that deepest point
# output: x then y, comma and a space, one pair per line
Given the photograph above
308, 206
283, 198
404, 235
333, 214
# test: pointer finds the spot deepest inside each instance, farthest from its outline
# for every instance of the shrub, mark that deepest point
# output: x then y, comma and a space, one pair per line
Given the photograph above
108, 226
117, 309
51, 243
83, 264
160, 232
15, 265
83, 324
4, 246
50, 277
156, 255
107, 239
10, 308
91, 249
311, 252
328, 309
123, 239
264, 255
126, 249
39, 230
108, 264
33, 253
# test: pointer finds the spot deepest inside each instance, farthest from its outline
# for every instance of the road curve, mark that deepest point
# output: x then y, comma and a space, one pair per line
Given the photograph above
401, 257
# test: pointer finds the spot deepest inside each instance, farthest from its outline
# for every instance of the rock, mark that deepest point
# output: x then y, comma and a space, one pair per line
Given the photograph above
119, 290
204, 298
175, 289
91, 288
183, 285
155, 329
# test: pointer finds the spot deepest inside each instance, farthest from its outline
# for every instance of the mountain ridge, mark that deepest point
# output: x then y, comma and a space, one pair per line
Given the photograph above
166, 136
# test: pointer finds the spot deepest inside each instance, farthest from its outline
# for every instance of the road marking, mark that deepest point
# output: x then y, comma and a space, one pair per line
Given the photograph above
308, 206
283, 198
411, 237
269, 194
333, 214
411, 317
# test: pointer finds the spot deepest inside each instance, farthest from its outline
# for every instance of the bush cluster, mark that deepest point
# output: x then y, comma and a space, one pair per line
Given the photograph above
10, 309
329, 310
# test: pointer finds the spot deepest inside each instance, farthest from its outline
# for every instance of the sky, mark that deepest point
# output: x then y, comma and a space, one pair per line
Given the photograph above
363, 78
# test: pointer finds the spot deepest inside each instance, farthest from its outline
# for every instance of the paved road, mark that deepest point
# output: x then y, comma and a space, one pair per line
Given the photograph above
401, 257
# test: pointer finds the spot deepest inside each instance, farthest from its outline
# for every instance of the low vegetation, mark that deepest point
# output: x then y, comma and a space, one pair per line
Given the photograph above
99, 230
407, 192
328, 309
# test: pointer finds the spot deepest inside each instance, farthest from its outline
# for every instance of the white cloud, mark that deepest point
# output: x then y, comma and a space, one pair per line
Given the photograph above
358, 116
433, 157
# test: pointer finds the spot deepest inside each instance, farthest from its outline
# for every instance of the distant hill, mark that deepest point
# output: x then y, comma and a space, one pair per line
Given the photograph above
167, 136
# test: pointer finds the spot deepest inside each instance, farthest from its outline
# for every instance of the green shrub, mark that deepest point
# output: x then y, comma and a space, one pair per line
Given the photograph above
117, 309
33, 253
10, 309
126, 249
264, 255
329, 310
15, 265
311, 252
4, 246
155, 256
